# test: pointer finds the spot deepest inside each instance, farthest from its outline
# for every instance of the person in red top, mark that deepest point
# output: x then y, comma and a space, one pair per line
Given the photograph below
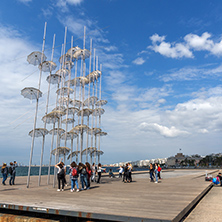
89, 173
159, 169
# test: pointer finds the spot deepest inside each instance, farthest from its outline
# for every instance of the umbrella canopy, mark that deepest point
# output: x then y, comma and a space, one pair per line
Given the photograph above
75, 153
65, 91
90, 101
31, 93
98, 111
77, 103
64, 58
81, 54
47, 66
39, 132
48, 118
85, 112
77, 81
80, 128
60, 108
53, 116
61, 150
62, 72
68, 135
95, 131
68, 120
98, 152
101, 133
35, 58
54, 79
94, 75
72, 50
56, 130
65, 100
101, 102
90, 150
72, 110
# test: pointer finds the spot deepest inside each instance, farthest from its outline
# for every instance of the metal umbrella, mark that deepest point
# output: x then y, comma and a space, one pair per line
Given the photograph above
78, 81
68, 135
72, 50
73, 154
31, 93
59, 151
72, 110
81, 54
54, 78
62, 72
65, 91
68, 120
38, 132
60, 131
47, 66
90, 101
98, 111
35, 58
101, 102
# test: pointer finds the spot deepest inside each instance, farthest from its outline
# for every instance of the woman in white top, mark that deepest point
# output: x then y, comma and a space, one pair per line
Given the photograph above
99, 170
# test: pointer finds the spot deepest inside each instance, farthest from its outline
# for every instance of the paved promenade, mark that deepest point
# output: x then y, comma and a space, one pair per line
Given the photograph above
209, 209
113, 199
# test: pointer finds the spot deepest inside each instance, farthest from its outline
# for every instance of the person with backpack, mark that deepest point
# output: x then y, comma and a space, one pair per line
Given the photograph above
4, 172
60, 175
74, 176
12, 172
83, 176
89, 173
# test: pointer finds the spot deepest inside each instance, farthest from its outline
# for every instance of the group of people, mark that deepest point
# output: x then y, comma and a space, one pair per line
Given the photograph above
155, 172
85, 172
125, 172
5, 170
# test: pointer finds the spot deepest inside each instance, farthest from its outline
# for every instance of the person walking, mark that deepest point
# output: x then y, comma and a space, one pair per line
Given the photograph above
99, 172
4, 172
126, 173
83, 176
151, 172
12, 172
60, 175
130, 168
74, 174
156, 172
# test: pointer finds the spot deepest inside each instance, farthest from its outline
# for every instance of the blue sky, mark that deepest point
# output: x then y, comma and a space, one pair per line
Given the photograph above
161, 73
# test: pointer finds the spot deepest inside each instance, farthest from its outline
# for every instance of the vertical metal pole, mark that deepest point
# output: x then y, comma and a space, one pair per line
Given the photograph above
46, 111
36, 109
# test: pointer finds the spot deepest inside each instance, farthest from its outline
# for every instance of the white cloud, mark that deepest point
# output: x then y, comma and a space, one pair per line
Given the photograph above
163, 130
192, 73
171, 50
192, 42
139, 61
24, 1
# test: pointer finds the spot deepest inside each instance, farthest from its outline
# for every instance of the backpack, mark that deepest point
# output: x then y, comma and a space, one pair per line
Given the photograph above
2, 171
89, 172
61, 173
74, 172
10, 170
83, 170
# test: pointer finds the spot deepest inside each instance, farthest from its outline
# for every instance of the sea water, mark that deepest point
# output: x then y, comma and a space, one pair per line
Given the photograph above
23, 170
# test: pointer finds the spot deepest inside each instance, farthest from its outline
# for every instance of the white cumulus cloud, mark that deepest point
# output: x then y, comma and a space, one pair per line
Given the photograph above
139, 61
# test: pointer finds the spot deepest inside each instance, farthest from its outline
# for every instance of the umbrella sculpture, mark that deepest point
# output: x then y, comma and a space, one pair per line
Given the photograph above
84, 103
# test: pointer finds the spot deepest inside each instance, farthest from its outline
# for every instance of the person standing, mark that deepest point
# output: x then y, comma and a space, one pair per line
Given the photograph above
93, 178
4, 173
89, 174
121, 171
159, 170
130, 167
60, 175
99, 172
151, 172
74, 176
83, 176
156, 172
